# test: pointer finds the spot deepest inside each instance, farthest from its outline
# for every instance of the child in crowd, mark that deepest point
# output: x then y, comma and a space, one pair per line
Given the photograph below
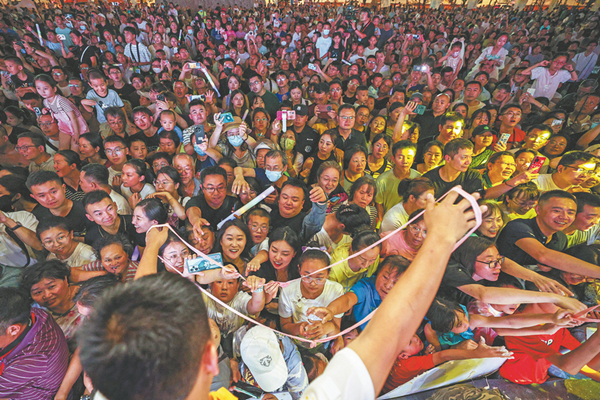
71, 123
101, 97
314, 289
168, 122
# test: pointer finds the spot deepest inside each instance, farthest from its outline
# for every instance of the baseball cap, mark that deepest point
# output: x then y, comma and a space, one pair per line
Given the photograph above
264, 144
301, 109
262, 355
416, 95
481, 129
237, 121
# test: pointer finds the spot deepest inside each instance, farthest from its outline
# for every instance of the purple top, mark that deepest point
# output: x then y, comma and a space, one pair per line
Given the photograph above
36, 367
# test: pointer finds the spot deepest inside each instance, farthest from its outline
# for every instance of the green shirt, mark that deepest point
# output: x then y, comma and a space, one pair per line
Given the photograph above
387, 189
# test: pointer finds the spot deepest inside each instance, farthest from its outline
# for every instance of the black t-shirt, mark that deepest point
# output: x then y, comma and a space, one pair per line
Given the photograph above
526, 228
95, 232
213, 216
20, 83
349, 100
430, 125
306, 141
312, 177
128, 92
295, 223
456, 275
152, 142
14, 135
470, 181
368, 30
356, 138
75, 218
83, 54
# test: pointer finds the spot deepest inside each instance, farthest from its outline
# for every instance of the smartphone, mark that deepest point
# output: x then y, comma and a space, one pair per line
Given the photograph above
531, 91
504, 138
323, 108
69, 16
226, 118
289, 114
536, 164
193, 65
198, 97
160, 97
200, 264
61, 37
557, 122
312, 67
37, 111
5, 73
420, 109
346, 62
416, 37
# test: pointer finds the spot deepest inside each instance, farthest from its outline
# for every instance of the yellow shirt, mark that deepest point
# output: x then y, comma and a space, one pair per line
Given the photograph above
221, 394
528, 215
342, 273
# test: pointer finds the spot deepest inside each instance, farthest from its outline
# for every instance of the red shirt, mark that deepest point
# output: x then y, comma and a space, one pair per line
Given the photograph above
530, 364
404, 370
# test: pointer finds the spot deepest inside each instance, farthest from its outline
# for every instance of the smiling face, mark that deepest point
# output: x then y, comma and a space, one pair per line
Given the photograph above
141, 222
281, 254
58, 241
50, 194
291, 201
502, 168
386, 279
491, 225
114, 259
233, 242
329, 180
50, 292
104, 213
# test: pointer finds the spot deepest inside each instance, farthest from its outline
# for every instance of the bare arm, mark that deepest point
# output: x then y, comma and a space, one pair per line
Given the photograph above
573, 361
26, 235
556, 259
403, 309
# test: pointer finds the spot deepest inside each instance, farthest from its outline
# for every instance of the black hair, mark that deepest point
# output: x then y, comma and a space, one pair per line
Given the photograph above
138, 335
397, 264
466, 254
561, 194
91, 290
414, 187
586, 199
574, 156
71, 158
352, 216
154, 210
15, 307
52, 222
15, 184
37, 139
363, 180
120, 239
245, 254
349, 153
364, 238
33, 274
97, 172
94, 197
312, 254
443, 314
214, 170
452, 147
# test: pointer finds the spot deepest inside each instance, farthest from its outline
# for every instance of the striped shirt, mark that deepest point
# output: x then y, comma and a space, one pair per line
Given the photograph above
97, 266
35, 368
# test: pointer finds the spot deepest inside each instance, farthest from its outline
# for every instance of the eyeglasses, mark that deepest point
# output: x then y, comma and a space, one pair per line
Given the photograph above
580, 170
336, 90
512, 114
162, 183
71, 85
309, 279
494, 263
261, 120
507, 164
60, 239
116, 152
24, 148
212, 189
415, 230
346, 117
256, 228
254, 83
528, 204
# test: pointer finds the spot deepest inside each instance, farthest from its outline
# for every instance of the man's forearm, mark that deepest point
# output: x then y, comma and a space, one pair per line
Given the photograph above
314, 221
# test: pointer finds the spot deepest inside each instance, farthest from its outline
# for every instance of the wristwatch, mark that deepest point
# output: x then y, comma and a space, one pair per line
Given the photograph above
85, 397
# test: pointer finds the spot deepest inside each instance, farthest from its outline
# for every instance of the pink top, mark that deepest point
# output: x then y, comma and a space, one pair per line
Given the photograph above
396, 245
59, 107
481, 308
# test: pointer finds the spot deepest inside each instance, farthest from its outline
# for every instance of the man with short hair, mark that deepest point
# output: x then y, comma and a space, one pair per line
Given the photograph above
585, 227
51, 130
213, 205
547, 80
101, 211
9, 155
347, 136
307, 138
432, 118
257, 88
50, 192
289, 210
35, 356
586, 60
274, 172
144, 121
403, 157
184, 164
32, 147
541, 240
510, 115
138, 53
451, 125
95, 177
572, 170
472, 91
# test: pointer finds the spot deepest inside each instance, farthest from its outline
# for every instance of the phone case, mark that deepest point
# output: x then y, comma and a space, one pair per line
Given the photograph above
536, 164
504, 138
420, 109
199, 264
226, 118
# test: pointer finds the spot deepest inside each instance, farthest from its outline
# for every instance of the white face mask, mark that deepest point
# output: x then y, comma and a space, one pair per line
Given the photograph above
156, 70
283, 43
325, 31
455, 54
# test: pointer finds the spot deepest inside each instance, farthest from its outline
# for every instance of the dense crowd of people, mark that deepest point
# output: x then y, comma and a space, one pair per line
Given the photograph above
324, 129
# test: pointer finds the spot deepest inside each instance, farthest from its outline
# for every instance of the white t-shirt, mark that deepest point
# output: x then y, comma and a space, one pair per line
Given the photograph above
545, 85
545, 183
323, 238
368, 52
123, 207
10, 252
83, 254
225, 319
394, 218
293, 304
346, 377
323, 45
146, 190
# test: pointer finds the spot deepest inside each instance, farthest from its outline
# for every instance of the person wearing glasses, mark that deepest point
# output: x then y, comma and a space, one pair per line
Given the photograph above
510, 116
257, 88
348, 136
116, 152
573, 169
32, 148
212, 205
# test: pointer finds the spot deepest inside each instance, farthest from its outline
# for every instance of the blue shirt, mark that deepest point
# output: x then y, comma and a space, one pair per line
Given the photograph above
112, 99
177, 130
368, 299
